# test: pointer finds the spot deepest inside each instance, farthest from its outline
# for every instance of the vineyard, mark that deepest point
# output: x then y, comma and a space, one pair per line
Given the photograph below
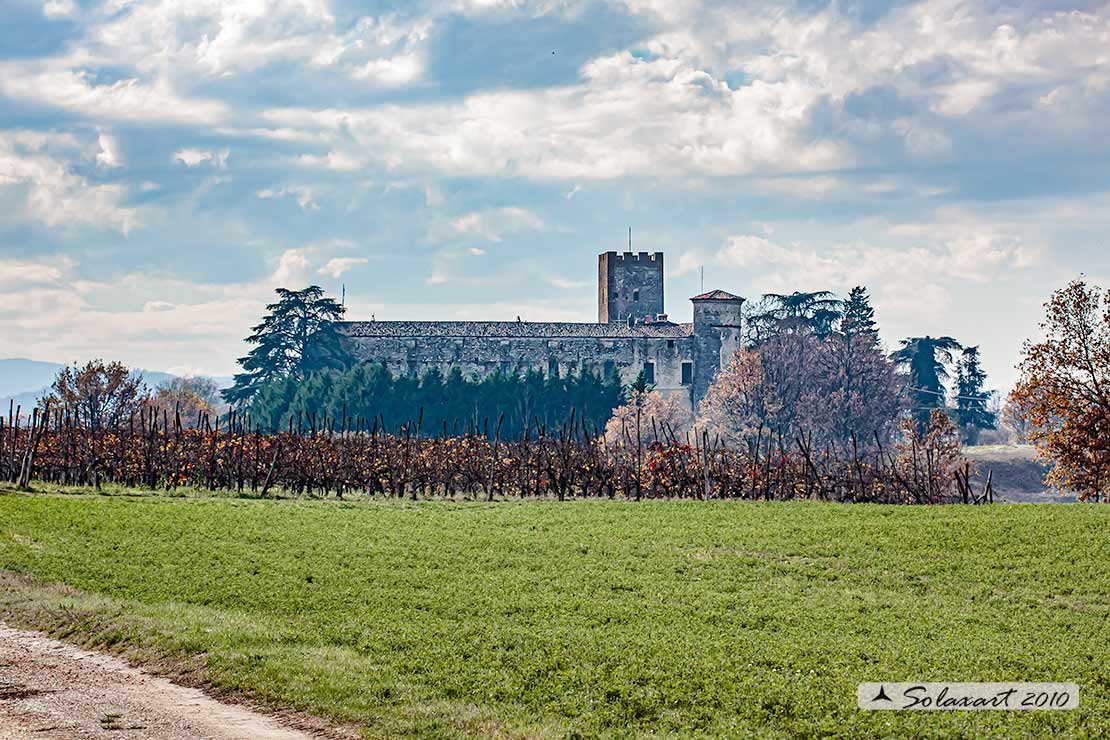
355, 457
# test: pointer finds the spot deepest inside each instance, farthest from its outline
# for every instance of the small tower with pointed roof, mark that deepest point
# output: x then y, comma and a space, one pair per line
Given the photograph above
717, 324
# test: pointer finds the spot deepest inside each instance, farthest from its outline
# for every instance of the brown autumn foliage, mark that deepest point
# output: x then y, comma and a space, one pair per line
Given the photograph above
735, 406
661, 418
97, 396
1064, 390
1013, 421
926, 461
354, 458
794, 383
190, 399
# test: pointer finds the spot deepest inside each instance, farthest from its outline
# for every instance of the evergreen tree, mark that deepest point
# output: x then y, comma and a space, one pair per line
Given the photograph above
369, 396
817, 311
297, 337
926, 359
972, 412
859, 316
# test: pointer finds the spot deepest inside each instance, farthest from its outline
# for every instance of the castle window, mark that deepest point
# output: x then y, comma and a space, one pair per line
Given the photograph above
506, 366
687, 373
610, 368
553, 367
670, 344
635, 295
649, 372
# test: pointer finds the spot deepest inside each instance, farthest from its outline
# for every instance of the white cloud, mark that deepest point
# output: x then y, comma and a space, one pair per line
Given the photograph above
336, 161
218, 39
972, 255
447, 264
805, 187
495, 223
304, 195
881, 187
292, 269
336, 266
747, 250
146, 319
55, 321
395, 71
15, 274
55, 195
956, 249
108, 156
564, 284
58, 8
629, 116
67, 83
194, 157
670, 113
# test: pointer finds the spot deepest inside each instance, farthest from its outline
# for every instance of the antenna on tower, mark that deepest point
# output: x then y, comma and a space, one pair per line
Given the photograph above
343, 298
702, 268
629, 238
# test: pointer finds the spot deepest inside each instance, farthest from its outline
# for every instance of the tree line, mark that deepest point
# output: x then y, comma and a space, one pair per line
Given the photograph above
810, 360
811, 372
437, 404
813, 365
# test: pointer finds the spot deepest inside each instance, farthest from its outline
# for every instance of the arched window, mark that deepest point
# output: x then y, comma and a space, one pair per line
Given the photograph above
635, 295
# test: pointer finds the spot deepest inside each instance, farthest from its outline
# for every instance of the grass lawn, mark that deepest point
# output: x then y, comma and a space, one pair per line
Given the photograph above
581, 618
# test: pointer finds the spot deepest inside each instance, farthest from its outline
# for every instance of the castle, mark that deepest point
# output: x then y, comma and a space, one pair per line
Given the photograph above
632, 335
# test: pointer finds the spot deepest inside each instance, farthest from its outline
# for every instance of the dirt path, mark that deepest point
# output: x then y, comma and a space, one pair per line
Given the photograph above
50, 689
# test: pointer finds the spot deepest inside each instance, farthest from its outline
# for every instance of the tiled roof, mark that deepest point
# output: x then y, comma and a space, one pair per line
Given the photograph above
508, 329
717, 295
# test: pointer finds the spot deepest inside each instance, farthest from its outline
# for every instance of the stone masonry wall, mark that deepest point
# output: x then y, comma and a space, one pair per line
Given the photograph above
485, 355
629, 283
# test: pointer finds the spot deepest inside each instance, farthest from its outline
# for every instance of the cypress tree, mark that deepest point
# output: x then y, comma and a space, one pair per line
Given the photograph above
972, 413
859, 316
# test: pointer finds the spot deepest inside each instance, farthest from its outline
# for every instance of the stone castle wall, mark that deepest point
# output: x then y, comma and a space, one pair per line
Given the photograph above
407, 350
679, 359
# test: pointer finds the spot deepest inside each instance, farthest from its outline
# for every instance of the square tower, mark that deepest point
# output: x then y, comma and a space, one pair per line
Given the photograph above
629, 284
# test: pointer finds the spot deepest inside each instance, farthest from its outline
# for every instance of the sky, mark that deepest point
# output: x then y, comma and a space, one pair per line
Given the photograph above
164, 165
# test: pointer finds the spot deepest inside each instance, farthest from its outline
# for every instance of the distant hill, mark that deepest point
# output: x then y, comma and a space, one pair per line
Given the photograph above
25, 381
1019, 476
18, 375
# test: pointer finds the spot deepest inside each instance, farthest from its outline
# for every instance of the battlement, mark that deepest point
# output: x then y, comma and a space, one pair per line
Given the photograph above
629, 286
632, 335
627, 258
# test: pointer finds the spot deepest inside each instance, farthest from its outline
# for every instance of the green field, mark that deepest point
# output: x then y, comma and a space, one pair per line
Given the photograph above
579, 618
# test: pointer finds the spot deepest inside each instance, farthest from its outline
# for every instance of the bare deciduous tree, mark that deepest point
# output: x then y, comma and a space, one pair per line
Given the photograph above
659, 417
98, 396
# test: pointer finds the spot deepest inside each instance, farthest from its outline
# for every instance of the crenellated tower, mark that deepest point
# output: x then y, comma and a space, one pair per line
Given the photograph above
629, 285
